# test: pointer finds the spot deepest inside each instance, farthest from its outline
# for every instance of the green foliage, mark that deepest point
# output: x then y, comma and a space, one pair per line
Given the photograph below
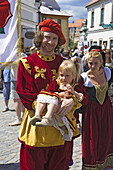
71, 43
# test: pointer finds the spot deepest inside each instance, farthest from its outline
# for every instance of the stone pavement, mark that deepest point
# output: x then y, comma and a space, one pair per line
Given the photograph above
9, 145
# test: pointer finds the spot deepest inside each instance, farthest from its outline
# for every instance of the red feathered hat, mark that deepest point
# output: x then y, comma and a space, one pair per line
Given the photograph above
51, 26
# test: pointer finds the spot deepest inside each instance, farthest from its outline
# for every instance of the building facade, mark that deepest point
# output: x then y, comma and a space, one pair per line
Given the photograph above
35, 11
51, 10
100, 23
75, 29
29, 19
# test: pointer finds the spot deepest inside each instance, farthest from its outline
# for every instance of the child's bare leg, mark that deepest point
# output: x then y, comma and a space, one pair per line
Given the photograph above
47, 119
58, 118
39, 109
51, 108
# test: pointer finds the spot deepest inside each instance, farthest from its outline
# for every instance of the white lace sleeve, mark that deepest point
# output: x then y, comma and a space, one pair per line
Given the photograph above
87, 82
108, 73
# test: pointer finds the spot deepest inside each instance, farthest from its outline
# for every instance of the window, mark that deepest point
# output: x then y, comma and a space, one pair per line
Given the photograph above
92, 19
37, 0
72, 30
102, 16
91, 43
59, 21
111, 43
43, 17
112, 14
100, 43
105, 44
2, 31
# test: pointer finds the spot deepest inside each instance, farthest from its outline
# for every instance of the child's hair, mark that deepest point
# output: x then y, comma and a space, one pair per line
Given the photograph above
95, 54
69, 65
77, 66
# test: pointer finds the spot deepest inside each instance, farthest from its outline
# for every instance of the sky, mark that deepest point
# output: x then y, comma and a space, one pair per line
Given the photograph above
76, 8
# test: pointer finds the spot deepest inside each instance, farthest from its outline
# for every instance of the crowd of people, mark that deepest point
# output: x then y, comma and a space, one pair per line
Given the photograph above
53, 86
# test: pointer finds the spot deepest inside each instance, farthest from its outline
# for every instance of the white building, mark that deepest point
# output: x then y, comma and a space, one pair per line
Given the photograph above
29, 20
100, 23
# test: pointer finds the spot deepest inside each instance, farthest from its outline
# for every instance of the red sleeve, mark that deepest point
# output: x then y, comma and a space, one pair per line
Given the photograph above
81, 89
53, 87
34, 75
25, 87
76, 115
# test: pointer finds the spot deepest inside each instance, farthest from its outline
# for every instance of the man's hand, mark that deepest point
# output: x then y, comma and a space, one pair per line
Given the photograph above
66, 106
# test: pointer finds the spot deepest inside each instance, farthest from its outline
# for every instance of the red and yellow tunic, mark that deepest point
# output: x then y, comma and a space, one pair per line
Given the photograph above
35, 73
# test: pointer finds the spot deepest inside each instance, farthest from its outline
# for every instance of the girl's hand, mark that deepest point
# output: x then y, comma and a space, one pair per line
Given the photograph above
65, 94
62, 94
70, 89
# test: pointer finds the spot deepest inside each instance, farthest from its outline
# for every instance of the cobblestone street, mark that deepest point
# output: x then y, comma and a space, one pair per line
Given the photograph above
9, 145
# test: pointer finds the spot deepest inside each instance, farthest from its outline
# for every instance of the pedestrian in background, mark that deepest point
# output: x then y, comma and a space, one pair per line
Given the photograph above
108, 59
109, 64
19, 108
1, 80
6, 87
66, 54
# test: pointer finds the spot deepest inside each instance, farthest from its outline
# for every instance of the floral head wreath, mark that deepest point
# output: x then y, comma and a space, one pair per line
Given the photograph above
98, 50
97, 54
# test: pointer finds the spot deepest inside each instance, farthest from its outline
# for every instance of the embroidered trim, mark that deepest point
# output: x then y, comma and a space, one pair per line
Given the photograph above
26, 65
108, 163
47, 99
101, 93
40, 72
45, 58
55, 94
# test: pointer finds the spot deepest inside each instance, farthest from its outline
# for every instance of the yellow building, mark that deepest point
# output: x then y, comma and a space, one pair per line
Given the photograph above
51, 10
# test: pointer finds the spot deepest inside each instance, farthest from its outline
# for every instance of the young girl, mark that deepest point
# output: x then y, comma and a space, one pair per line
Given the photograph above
59, 90
97, 124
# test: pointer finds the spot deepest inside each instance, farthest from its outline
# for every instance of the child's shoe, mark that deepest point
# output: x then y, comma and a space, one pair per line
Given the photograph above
45, 122
35, 119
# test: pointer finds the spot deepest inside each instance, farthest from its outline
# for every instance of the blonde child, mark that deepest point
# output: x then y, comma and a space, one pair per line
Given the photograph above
59, 90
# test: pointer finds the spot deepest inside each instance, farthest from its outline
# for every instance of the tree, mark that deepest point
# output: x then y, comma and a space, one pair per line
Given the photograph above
71, 43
